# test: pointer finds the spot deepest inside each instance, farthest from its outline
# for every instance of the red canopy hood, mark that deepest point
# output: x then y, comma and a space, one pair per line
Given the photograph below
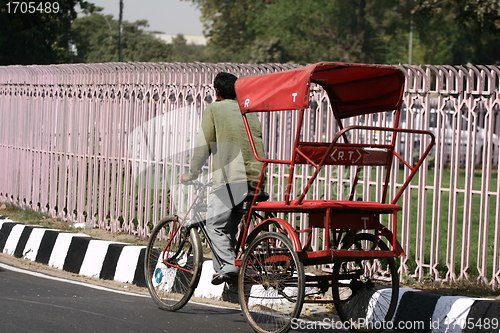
353, 89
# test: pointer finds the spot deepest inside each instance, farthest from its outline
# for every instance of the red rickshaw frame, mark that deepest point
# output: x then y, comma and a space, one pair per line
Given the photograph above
353, 90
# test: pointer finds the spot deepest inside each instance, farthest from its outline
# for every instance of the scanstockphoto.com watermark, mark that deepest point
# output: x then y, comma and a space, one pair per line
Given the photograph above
446, 325
332, 324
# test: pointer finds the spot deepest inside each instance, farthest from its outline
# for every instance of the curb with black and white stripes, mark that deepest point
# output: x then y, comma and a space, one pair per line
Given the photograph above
420, 311
78, 253
81, 254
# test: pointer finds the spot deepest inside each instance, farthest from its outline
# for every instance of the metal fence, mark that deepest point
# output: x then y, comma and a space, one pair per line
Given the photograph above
105, 144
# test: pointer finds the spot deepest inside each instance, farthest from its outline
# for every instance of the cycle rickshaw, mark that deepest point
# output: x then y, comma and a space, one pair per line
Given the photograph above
274, 249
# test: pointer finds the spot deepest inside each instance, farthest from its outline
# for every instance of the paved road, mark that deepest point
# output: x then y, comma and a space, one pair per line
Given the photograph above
35, 302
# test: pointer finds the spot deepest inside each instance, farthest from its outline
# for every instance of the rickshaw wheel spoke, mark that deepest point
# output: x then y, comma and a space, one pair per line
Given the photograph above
271, 283
368, 300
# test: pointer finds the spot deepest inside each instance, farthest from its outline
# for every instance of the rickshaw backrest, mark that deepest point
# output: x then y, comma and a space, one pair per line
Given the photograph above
342, 154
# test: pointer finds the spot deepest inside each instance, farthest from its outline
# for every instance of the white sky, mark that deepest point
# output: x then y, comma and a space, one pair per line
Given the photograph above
168, 16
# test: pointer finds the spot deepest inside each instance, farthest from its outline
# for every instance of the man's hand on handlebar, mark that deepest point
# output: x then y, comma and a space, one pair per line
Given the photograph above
185, 178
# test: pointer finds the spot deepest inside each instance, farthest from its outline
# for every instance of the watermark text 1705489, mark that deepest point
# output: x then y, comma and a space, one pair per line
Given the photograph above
23, 7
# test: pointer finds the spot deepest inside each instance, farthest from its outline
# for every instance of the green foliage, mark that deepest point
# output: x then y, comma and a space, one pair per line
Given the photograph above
49, 38
373, 31
32, 217
96, 38
184, 52
307, 31
467, 30
38, 37
269, 51
262, 31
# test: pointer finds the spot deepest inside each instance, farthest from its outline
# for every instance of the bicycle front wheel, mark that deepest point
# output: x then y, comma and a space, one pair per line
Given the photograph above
271, 283
172, 264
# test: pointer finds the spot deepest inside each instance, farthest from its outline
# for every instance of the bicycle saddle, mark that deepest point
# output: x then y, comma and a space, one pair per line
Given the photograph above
262, 196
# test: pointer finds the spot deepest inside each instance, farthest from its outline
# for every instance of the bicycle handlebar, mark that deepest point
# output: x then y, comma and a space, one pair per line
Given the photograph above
192, 182
198, 183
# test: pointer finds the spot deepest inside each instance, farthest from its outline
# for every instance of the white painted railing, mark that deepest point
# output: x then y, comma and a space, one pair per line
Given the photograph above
105, 144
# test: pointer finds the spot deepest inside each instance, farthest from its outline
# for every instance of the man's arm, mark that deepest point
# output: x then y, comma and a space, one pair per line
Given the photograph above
202, 149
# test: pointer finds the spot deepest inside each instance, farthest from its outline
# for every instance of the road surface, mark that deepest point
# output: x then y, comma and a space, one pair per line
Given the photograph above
32, 301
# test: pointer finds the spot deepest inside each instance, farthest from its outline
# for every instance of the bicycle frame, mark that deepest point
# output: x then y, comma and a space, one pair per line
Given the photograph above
197, 207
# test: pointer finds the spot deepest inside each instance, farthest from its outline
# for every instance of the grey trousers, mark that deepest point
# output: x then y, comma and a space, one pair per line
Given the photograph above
223, 219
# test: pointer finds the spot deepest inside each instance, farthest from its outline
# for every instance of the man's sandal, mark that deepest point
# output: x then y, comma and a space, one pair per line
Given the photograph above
223, 276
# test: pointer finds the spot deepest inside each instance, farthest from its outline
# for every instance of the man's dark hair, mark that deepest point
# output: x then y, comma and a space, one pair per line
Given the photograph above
224, 83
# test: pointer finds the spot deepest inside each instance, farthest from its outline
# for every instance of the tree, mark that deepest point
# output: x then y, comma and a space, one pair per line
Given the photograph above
96, 40
268, 52
40, 37
225, 21
468, 29
312, 31
375, 31
184, 52
302, 31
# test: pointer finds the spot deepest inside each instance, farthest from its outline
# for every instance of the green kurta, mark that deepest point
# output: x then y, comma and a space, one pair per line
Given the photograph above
223, 135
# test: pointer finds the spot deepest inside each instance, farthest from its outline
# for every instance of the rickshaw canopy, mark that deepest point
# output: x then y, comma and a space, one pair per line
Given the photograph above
353, 89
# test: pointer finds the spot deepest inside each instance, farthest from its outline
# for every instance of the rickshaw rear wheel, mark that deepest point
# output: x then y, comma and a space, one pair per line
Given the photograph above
271, 283
367, 301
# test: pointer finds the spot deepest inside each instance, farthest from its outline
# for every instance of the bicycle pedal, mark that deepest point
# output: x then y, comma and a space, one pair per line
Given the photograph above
183, 259
232, 286
224, 277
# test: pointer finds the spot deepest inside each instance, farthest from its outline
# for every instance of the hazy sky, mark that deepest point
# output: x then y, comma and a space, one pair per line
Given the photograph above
168, 16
